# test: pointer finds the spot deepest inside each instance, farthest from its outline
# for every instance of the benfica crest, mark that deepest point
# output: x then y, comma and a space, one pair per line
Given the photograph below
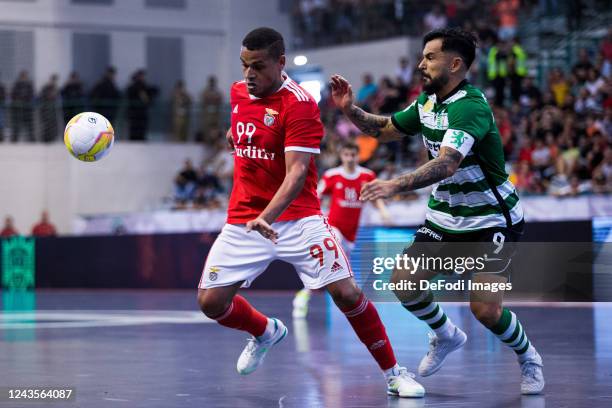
269, 117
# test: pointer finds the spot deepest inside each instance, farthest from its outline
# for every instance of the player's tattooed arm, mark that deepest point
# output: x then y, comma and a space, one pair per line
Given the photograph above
378, 126
433, 171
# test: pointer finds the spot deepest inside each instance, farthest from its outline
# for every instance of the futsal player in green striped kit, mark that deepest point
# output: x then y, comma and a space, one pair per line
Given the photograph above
472, 199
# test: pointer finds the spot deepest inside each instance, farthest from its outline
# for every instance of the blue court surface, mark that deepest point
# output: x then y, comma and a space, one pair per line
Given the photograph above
154, 349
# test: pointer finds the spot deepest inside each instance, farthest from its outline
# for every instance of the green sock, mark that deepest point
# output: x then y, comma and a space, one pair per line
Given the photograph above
425, 309
510, 331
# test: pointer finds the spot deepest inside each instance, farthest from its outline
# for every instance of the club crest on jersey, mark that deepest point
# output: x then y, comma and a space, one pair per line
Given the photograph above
269, 117
428, 106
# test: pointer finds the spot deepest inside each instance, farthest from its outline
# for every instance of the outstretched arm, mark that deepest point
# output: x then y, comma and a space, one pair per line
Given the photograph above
431, 172
380, 127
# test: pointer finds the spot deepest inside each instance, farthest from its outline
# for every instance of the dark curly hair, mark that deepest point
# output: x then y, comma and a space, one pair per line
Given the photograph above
265, 38
457, 40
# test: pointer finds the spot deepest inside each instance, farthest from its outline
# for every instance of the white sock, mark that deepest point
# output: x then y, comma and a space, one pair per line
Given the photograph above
446, 330
270, 329
528, 355
392, 372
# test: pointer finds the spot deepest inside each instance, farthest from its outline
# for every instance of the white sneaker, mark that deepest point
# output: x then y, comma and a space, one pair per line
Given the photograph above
532, 377
439, 348
300, 304
404, 385
253, 354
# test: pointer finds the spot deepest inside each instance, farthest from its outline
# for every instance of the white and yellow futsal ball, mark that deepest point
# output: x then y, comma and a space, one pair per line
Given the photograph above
89, 136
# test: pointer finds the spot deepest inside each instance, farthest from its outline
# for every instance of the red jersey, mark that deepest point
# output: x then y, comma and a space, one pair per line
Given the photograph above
264, 129
344, 189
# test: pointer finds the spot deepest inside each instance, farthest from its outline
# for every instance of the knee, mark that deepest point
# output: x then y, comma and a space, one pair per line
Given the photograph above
487, 313
211, 305
345, 297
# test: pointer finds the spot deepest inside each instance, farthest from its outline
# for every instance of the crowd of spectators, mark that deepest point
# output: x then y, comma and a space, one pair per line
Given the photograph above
30, 116
330, 22
557, 138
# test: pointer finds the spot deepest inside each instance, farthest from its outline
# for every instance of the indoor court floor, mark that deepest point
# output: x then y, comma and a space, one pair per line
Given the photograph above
154, 349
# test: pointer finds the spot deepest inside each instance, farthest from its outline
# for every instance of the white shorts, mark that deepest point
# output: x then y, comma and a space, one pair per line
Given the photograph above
347, 245
309, 244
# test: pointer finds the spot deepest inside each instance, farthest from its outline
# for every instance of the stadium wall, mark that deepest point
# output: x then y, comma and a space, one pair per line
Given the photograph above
38, 36
380, 58
133, 177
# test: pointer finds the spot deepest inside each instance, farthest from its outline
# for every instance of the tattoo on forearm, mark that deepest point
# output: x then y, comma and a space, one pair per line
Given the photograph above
431, 172
368, 123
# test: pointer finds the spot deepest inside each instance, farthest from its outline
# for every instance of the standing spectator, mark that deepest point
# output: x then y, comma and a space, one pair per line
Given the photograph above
9, 228
73, 97
2, 105
22, 107
48, 110
404, 72
44, 228
415, 88
497, 69
605, 49
140, 96
507, 13
517, 69
181, 108
387, 97
105, 95
212, 101
531, 96
367, 92
435, 19
582, 66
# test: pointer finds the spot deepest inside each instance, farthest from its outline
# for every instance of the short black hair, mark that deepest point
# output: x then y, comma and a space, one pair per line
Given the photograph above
460, 41
265, 38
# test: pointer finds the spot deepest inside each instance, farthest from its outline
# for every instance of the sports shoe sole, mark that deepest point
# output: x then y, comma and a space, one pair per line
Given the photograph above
396, 394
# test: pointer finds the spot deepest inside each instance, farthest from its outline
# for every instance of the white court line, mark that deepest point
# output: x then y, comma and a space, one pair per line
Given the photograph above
43, 319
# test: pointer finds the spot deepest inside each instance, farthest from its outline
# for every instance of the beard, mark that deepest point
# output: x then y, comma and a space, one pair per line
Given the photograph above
435, 84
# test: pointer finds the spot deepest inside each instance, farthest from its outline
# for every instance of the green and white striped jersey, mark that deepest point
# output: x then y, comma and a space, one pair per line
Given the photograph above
479, 194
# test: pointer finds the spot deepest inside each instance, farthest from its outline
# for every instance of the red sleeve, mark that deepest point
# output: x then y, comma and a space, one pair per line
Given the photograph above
303, 127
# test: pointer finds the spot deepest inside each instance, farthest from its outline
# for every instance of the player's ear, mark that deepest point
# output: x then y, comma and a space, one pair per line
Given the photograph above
281, 61
456, 64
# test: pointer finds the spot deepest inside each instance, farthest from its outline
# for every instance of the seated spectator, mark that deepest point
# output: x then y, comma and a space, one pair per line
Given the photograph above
366, 93
208, 189
44, 228
9, 228
541, 159
185, 184
183, 191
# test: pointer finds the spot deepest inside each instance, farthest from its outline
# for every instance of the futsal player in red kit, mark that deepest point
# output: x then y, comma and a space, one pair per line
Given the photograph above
343, 185
274, 213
